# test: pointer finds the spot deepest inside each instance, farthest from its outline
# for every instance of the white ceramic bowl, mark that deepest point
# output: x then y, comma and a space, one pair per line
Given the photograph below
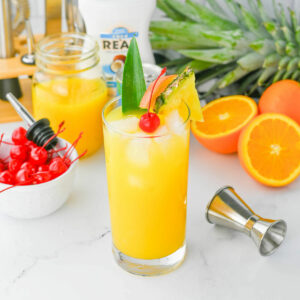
36, 201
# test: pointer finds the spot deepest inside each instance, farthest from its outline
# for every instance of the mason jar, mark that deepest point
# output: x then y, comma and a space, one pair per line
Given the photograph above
67, 86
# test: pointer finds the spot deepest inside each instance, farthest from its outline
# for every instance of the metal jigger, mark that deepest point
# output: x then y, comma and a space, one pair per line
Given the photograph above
229, 210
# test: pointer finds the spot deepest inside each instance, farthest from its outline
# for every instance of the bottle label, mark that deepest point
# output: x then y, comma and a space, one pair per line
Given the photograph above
114, 47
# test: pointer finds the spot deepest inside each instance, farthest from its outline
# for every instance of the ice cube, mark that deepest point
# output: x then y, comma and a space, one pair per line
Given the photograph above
135, 181
129, 124
162, 130
175, 122
138, 151
61, 88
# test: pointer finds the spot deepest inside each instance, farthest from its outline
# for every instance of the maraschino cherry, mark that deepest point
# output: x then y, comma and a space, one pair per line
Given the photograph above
150, 121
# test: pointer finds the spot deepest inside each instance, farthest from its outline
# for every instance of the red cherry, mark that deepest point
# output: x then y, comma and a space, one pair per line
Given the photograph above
43, 168
19, 152
57, 167
31, 168
30, 145
14, 166
2, 166
23, 177
42, 177
6, 177
38, 156
68, 162
19, 136
149, 122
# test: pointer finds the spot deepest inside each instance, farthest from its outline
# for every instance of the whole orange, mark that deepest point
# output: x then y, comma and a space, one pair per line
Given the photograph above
282, 97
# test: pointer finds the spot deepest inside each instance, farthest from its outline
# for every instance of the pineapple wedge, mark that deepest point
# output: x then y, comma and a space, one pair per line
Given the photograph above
181, 89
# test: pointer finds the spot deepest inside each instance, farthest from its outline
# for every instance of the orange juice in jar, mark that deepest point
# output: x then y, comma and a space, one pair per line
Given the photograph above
67, 86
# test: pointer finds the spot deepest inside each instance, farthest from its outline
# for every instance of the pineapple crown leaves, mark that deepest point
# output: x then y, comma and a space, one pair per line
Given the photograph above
230, 43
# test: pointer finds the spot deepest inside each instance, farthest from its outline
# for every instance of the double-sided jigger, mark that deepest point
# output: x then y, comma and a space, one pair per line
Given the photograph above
228, 209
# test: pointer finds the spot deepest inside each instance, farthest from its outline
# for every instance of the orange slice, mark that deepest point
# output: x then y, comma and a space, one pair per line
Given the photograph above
269, 149
224, 120
161, 85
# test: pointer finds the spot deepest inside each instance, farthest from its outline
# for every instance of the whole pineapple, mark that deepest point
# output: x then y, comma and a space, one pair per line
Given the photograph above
252, 46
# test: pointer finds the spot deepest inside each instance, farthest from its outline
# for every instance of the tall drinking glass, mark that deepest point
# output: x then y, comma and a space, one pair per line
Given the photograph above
147, 187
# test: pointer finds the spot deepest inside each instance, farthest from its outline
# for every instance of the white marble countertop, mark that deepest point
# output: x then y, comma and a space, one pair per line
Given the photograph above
68, 255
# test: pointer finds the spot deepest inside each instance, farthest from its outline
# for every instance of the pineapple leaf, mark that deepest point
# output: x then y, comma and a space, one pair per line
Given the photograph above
251, 61
296, 75
185, 10
162, 42
283, 19
297, 35
236, 10
293, 20
287, 74
232, 76
254, 10
172, 63
288, 34
134, 86
253, 24
263, 46
293, 64
162, 5
276, 11
278, 75
248, 81
253, 89
274, 30
213, 72
220, 56
291, 49
210, 18
280, 47
224, 38
271, 60
216, 7
198, 65
266, 74
262, 12
183, 32
283, 62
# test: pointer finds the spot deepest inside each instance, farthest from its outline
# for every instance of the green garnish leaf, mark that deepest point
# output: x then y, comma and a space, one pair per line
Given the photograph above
133, 85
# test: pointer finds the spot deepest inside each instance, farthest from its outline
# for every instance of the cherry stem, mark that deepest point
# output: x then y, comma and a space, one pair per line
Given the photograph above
1, 138
74, 144
60, 130
79, 156
8, 188
12, 186
58, 150
163, 71
6, 143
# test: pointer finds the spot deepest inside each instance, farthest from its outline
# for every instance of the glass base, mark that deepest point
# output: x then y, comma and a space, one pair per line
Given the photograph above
150, 267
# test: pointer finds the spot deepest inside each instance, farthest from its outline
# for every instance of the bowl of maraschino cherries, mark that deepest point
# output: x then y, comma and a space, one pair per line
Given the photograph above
35, 182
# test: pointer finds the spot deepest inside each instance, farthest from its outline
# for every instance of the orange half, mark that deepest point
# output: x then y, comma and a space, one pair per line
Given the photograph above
269, 149
224, 120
